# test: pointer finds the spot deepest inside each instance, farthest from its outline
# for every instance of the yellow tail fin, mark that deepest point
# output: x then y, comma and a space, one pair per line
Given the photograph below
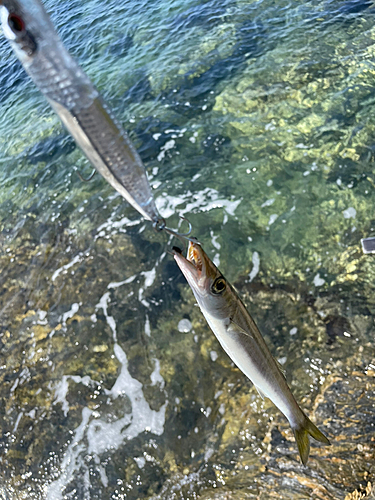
301, 434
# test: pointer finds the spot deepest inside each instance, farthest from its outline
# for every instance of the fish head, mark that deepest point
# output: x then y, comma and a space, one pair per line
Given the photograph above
18, 27
212, 291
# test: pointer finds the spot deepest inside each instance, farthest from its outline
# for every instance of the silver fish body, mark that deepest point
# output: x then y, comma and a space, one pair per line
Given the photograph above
242, 341
71, 94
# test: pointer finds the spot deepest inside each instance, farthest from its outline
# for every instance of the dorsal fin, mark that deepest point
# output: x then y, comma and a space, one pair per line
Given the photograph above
280, 367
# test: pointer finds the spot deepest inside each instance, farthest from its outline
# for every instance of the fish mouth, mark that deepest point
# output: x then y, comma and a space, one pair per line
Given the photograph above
194, 255
193, 265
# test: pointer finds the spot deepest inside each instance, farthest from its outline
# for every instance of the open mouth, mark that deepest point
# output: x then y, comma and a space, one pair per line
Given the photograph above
193, 257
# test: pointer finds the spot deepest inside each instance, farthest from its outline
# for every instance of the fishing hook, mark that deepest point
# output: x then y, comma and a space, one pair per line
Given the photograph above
88, 179
159, 225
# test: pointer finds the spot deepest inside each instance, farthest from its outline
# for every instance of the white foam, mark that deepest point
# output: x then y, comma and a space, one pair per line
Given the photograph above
215, 243
78, 258
141, 299
168, 145
61, 389
156, 377
103, 304
20, 415
70, 462
69, 314
208, 453
216, 259
103, 475
42, 317
256, 265
204, 200
111, 224
147, 327
140, 461
116, 284
102, 436
150, 277
95, 435
272, 219
268, 203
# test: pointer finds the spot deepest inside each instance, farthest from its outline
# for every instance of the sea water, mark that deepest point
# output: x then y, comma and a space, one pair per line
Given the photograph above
255, 120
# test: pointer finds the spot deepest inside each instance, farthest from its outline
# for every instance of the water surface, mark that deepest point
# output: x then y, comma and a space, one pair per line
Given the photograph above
255, 120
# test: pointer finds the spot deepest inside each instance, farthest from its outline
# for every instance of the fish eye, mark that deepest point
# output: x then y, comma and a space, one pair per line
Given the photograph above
16, 23
219, 285
15, 30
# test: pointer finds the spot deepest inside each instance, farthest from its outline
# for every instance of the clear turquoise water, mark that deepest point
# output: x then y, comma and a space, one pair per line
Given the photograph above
254, 120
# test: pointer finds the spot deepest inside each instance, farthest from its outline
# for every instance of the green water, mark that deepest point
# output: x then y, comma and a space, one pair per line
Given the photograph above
255, 121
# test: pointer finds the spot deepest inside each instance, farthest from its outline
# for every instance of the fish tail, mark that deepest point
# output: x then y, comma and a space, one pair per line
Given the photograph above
302, 432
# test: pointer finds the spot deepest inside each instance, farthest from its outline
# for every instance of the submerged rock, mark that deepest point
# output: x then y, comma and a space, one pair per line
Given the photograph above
181, 419
50, 149
112, 385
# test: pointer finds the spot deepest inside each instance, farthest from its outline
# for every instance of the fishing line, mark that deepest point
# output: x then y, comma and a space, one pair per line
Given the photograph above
86, 179
159, 225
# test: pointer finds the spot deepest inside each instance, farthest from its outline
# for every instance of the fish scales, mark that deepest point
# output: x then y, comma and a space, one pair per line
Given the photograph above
242, 341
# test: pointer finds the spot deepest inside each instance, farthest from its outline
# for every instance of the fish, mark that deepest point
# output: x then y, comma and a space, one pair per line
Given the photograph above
72, 95
241, 339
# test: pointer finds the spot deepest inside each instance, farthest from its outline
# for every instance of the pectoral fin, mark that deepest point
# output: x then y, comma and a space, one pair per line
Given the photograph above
235, 329
260, 392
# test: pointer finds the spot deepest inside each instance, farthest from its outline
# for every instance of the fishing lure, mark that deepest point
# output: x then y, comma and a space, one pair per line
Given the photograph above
78, 103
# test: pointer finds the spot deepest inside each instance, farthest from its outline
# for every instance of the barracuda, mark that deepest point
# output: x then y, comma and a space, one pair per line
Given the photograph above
241, 339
